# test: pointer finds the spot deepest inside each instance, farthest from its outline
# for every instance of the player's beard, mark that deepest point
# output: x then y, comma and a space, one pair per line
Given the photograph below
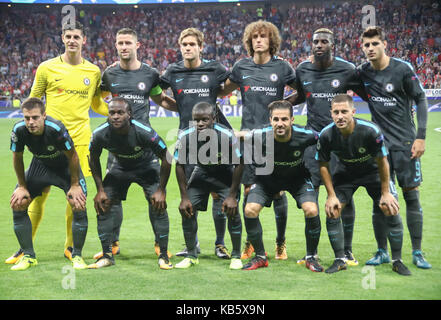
126, 59
324, 57
282, 136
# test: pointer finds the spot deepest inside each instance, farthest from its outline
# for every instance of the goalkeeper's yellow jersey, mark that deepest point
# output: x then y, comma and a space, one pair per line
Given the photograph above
70, 91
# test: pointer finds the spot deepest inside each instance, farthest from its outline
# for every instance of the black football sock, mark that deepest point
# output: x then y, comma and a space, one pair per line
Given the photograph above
312, 234
105, 230
414, 217
23, 231
380, 227
235, 230
220, 221
395, 235
79, 231
348, 219
117, 220
244, 203
254, 231
335, 234
152, 222
190, 229
161, 227
280, 206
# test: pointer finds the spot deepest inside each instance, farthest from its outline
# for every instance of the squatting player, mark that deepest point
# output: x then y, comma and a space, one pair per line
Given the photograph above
392, 85
359, 146
134, 146
70, 85
54, 162
215, 151
290, 174
194, 80
136, 82
317, 83
261, 79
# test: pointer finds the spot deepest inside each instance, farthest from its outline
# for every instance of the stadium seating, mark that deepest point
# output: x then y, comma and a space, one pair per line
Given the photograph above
30, 35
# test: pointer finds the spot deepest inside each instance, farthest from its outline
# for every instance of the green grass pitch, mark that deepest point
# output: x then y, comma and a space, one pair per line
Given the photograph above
136, 275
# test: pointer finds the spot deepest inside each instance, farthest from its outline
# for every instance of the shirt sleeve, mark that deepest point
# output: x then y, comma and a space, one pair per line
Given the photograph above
181, 150
165, 79
156, 90
235, 73
17, 140
98, 104
323, 149
356, 84
300, 93
413, 87
378, 148
290, 75
64, 139
312, 138
156, 143
222, 73
40, 82
104, 85
95, 147
235, 146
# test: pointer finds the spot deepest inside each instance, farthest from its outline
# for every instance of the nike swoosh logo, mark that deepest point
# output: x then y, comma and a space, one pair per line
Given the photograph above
416, 179
245, 77
309, 189
179, 80
58, 79
367, 84
114, 84
306, 83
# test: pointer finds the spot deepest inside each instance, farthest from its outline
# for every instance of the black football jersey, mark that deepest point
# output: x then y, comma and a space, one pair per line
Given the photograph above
133, 85
287, 157
260, 84
216, 152
191, 86
134, 150
48, 147
357, 152
318, 87
391, 92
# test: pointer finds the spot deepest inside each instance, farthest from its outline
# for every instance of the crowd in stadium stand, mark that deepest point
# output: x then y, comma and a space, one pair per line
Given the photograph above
28, 37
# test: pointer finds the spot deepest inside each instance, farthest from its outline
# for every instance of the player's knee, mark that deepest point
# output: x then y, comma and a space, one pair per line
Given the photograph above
252, 210
406, 190
310, 209
75, 211
20, 206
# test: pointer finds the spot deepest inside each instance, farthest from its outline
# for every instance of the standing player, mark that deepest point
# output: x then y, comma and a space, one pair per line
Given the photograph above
55, 162
317, 83
216, 173
71, 86
135, 81
261, 79
359, 146
290, 173
134, 146
194, 80
392, 85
